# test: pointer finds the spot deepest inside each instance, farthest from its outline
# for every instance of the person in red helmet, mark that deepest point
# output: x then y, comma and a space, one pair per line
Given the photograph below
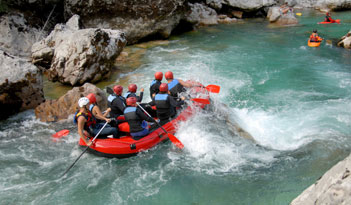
328, 18
95, 110
116, 102
155, 84
166, 105
132, 88
176, 86
136, 119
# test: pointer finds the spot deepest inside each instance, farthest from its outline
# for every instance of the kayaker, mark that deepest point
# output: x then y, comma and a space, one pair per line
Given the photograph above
136, 119
87, 125
155, 84
132, 88
314, 37
176, 86
166, 105
116, 102
328, 18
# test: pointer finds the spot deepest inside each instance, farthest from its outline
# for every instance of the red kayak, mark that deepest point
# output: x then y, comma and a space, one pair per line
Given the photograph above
328, 22
126, 146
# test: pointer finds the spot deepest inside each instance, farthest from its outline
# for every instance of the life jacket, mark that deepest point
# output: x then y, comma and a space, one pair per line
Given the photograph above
164, 109
134, 121
154, 87
175, 87
90, 120
314, 37
129, 94
115, 111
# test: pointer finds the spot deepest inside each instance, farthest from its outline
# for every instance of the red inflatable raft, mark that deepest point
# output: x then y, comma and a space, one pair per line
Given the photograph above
126, 146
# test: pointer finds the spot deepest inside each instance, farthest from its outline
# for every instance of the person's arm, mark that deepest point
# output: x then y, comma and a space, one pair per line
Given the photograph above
108, 110
143, 116
99, 115
81, 122
185, 84
140, 97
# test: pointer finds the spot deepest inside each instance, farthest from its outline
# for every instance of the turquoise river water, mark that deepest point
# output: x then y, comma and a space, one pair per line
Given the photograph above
294, 100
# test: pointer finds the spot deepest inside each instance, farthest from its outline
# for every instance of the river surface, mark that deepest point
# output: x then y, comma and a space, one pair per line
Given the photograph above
294, 100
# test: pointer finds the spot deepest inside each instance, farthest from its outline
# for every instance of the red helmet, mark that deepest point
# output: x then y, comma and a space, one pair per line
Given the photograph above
158, 76
131, 101
163, 87
92, 98
118, 89
132, 88
169, 75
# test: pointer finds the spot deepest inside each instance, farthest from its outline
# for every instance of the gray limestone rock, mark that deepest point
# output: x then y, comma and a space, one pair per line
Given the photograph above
202, 15
334, 187
76, 56
21, 85
16, 35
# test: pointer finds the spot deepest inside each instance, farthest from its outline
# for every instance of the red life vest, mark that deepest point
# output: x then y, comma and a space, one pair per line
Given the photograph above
314, 37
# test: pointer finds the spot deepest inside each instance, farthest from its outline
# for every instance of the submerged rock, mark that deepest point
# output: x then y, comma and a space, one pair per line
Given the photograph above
334, 187
75, 55
21, 85
345, 41
66, 105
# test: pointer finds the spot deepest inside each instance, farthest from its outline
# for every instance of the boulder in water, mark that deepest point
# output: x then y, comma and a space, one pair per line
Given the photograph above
345, 41
277, 16
202, 15
332, 188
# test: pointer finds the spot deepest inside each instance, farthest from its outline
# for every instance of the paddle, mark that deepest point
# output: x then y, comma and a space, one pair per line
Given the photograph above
200, 100
60, 134
213, 88
84, 150
171, 137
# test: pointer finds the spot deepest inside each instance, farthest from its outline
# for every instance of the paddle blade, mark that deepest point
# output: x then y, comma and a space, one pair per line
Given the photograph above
200, 100
213, 88
175, 141
60, 134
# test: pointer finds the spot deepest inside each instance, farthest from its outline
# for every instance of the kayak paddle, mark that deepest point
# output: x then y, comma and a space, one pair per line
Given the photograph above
213, 88
60, 134
200, 100
171, 137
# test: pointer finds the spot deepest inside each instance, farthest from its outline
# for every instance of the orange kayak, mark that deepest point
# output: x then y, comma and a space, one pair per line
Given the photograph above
314, 44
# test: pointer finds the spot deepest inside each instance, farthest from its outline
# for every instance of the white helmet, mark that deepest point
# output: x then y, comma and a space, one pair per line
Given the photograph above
83, 101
